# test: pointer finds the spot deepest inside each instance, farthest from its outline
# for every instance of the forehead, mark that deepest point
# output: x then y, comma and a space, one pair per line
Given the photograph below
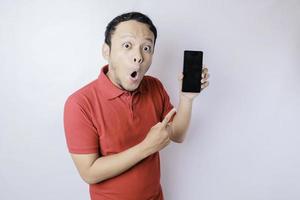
133, 28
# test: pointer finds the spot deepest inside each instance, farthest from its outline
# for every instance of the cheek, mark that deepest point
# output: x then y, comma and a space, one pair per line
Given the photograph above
116, 57
117, 53
117, 61
146, 68
148, 61
148, 57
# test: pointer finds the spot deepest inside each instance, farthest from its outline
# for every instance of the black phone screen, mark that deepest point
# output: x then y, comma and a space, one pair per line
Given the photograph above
192, 70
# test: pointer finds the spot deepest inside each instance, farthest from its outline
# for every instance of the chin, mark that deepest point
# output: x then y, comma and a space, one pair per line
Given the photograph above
132, 87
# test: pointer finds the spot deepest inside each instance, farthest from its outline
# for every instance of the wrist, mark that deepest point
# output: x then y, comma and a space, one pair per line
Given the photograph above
185, 98
144, 150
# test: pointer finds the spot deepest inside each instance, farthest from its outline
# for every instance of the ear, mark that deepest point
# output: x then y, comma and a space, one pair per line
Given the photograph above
105, 51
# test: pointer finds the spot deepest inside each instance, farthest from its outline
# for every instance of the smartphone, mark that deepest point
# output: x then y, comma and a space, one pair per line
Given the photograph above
192, 70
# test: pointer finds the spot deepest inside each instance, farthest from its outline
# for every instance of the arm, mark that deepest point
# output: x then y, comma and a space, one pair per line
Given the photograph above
181, 120
94, 169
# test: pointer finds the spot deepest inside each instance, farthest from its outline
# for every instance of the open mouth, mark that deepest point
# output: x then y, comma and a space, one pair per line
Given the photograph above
133, 74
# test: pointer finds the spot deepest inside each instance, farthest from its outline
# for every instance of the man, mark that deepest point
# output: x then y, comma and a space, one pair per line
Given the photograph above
116, 125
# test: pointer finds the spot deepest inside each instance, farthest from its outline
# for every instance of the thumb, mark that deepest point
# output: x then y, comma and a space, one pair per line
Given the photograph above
180, 78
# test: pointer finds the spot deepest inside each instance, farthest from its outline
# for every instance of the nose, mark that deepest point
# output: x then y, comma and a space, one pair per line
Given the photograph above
137, 58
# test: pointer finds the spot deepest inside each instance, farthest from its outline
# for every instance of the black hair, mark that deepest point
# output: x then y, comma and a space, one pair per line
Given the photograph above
137, 16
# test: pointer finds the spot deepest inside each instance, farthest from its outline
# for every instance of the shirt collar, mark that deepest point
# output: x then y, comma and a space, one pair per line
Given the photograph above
110, 90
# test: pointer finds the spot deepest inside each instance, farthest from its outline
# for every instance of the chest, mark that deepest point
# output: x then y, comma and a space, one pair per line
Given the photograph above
125, 122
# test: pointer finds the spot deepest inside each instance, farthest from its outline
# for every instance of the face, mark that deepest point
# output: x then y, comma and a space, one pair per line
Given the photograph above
130, 55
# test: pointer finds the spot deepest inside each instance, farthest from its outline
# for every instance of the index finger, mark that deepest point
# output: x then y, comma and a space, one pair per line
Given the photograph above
168, 117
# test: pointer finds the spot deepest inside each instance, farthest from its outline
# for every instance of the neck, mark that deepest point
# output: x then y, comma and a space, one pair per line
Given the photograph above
112, 78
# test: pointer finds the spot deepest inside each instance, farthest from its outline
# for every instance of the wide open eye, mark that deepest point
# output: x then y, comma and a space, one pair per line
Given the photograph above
127, 45
147, 48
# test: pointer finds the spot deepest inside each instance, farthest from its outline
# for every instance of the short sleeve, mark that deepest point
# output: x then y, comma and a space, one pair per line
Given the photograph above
167, 105
81, 135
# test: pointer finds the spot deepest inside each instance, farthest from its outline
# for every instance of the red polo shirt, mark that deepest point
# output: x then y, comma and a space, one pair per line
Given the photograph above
102, 118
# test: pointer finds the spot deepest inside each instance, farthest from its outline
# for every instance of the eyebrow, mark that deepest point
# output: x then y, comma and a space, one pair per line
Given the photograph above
129, 35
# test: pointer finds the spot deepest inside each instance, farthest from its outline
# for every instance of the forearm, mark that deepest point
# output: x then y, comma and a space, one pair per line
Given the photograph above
181, 120
109, 166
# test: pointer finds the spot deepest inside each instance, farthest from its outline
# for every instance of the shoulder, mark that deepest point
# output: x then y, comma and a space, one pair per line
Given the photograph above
152, 81
82, 95
155, 86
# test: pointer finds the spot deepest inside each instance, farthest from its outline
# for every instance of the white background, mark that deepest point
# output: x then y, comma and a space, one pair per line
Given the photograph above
243, 141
